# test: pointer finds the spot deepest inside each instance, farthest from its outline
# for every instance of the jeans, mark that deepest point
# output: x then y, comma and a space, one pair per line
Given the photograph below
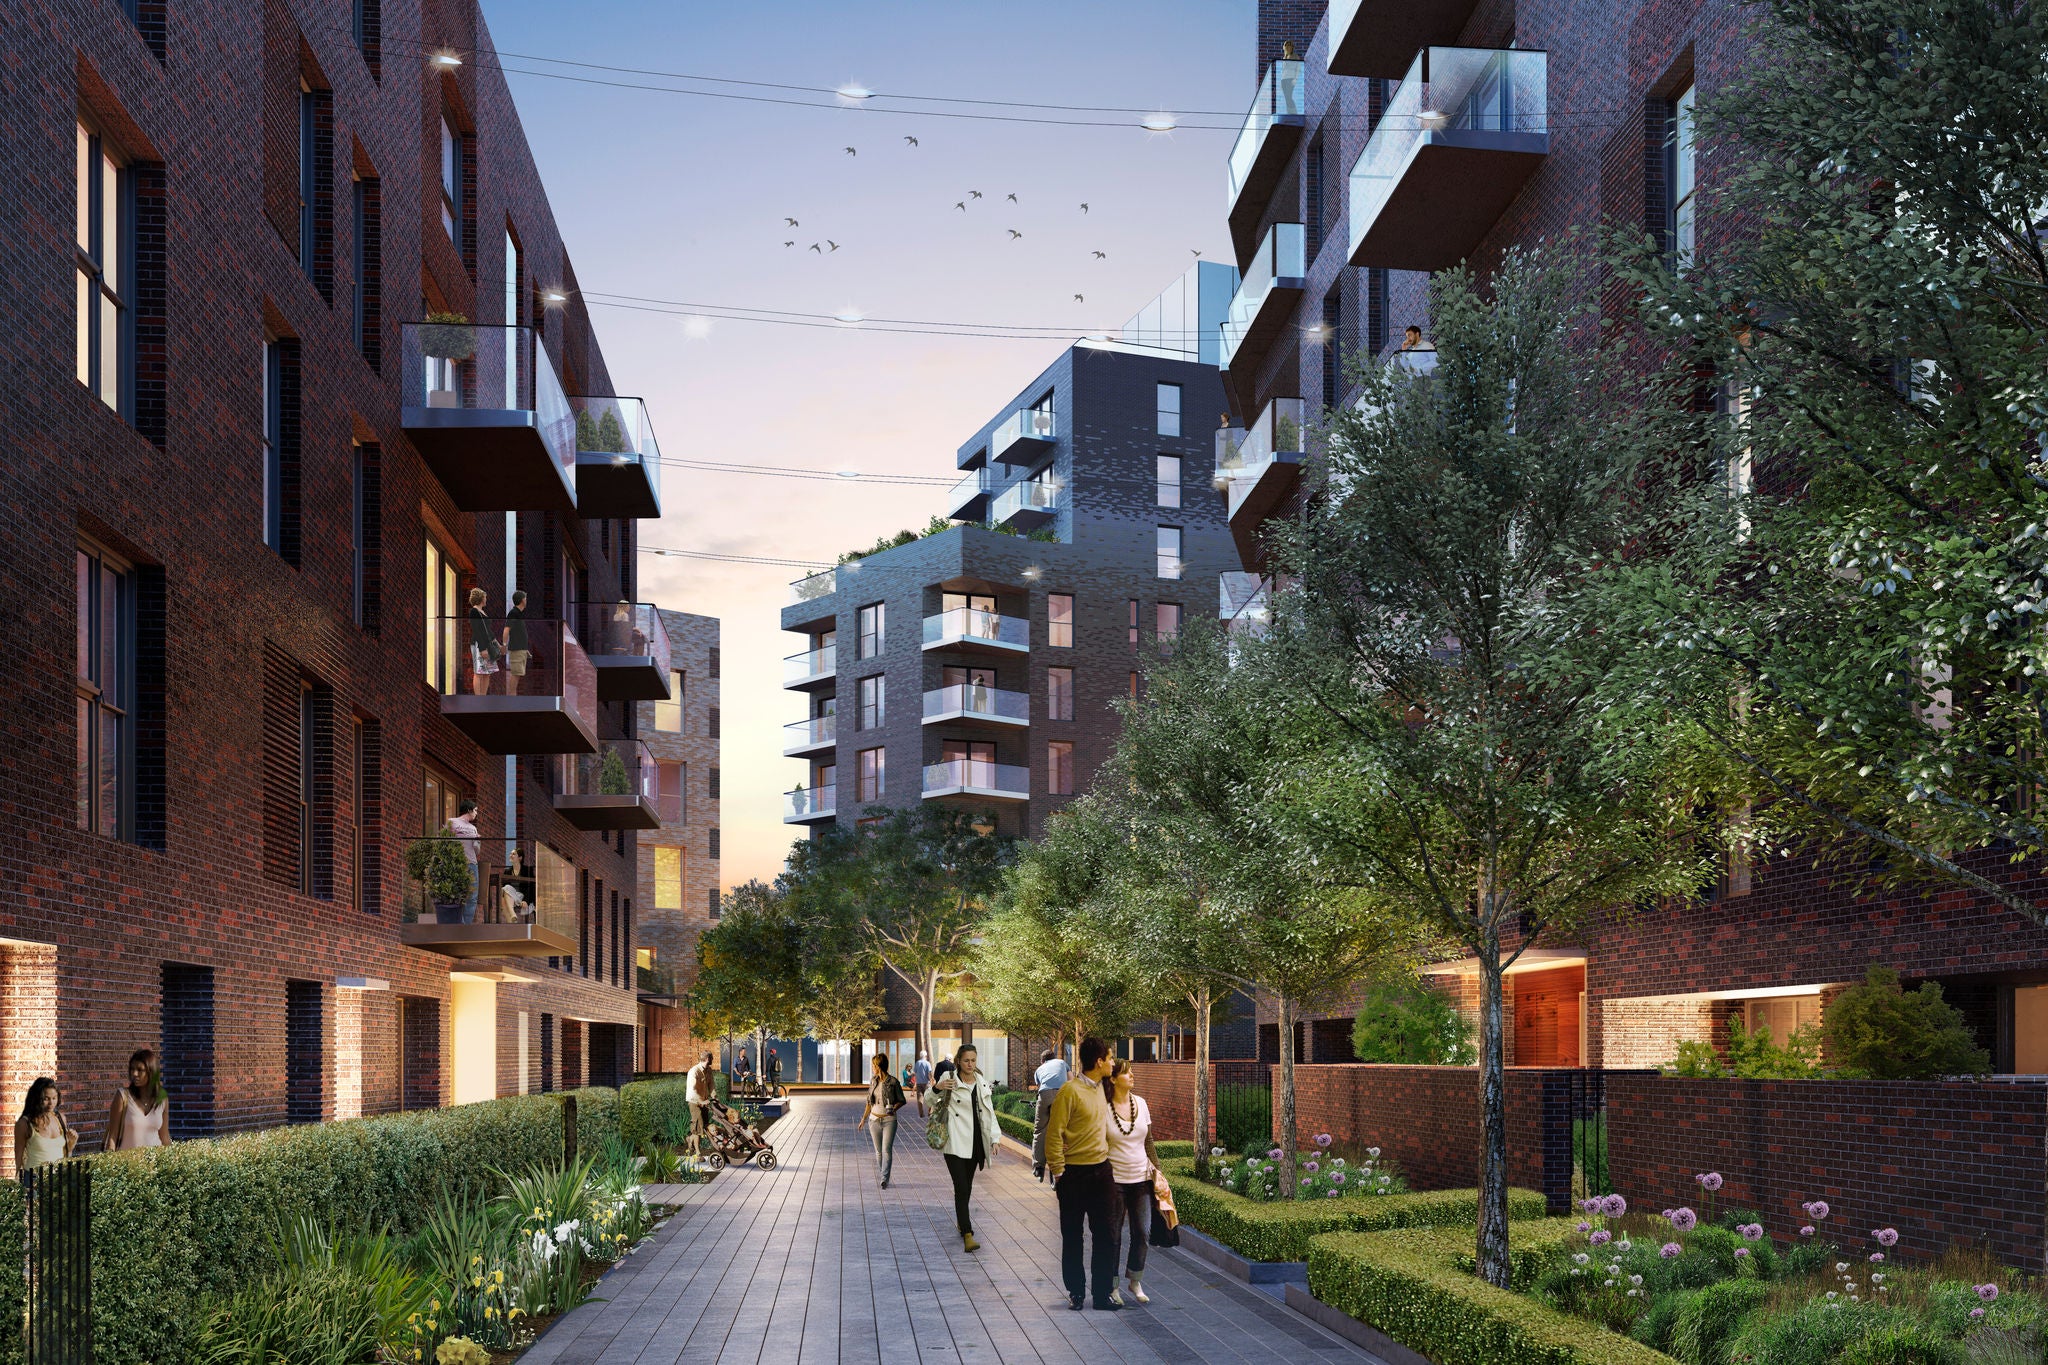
1088, 1193
962, 1170
1135, 1212
469, 903
883, 1131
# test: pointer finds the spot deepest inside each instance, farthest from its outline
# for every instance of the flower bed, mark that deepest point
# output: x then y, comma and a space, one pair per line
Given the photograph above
1321, 1174
1282, 1230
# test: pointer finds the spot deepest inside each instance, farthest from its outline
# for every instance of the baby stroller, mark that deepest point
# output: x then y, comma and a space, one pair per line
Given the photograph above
733, 1140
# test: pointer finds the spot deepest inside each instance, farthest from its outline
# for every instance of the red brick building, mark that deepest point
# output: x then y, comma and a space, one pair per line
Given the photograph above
247, 499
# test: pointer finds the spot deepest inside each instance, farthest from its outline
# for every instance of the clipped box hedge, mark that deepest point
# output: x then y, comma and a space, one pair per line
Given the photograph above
647, 1108
13, 1231
1417, 1286
1282, 1231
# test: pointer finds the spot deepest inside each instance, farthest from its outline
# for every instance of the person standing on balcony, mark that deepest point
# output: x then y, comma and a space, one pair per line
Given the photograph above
517, 648
1411, 338
1077, 1154
140, 1115
964, 1108
467, 838
1134, 1163
878, 1116
42, 1135
483, 650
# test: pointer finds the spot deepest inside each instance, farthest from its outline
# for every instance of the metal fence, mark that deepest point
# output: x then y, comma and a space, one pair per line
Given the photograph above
59, 1263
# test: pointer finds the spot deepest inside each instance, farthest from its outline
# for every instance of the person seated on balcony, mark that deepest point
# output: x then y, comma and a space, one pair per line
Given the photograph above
618, 636
517, 648
483, 650
1411, 338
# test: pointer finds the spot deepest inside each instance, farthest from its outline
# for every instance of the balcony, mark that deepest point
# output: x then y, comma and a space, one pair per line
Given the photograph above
522, 686
1265, 145
658, 980
968, 501
1461, 136
618, 461
1380, 37
1024, 436
976, 702
616, 788
978, 778
628, 646
806, 737
1261, 310
523, 907
487, 414
1260, 469
811, 667
974, 631
1026, 505
811, 601
801, 807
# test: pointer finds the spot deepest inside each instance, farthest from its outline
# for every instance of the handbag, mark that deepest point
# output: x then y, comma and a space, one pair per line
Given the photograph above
941, 1121
1165, 1221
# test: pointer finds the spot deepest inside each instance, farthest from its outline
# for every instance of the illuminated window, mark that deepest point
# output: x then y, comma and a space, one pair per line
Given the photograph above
1059, 694
103, 263
668, 715
1169, 481
1059, 768
668, 878
1059, 620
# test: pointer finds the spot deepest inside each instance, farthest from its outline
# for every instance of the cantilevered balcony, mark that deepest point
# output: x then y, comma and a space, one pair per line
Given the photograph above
1461, 136
521, 907
1380, 37
485, 411
812, 667
1261, 469
1265, 145
807, 805
519, 686
618, 461
1024, 436
813, 601
1265, 299
804, 738
628, 646
614, 788
974, 702
978, 778
971, 630
968, 500
1026, 505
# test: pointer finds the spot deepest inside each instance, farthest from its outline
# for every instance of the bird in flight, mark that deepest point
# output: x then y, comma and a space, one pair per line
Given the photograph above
815, 247
974, 194
1084, 208
851, 152
1079, 299
834, 245
1012, 198
791, 221
1102, 255
1197, 253
909, 139
961, 205
789, 243
1014, 234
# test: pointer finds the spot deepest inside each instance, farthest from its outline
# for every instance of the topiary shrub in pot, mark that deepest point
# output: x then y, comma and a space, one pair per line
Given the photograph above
612, 779
436, 862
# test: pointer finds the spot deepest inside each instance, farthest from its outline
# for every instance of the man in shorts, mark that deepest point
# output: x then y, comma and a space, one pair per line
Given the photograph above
518, 649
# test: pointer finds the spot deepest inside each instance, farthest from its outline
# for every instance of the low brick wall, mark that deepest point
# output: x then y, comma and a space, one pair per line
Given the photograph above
1169, 1091
1943, 1162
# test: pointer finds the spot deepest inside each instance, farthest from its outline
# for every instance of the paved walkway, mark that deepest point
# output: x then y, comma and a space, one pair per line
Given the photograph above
812, 1264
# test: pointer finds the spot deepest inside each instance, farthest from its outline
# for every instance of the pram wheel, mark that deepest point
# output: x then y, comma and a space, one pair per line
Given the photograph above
716, 1161
767, 1160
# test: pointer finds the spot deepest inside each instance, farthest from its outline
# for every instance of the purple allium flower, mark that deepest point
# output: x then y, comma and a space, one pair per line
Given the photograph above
1886, 1237
1987, 1292
1876, 1256
1584, 1226
1613, 1205
1273, 1155
1333, 1194
1337, 1177
1817, 1210
1709, 1180
1741, 1252
1976, 1312
1806, 1231
1669, 1250
1311, 1166
1685, 1220
1589, 1205
1322, 1139
1600, 1237
1751, 1232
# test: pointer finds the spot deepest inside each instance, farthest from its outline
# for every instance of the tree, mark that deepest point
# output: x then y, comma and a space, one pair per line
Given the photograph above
1858, 628
1881, 1029
750, 966
1407, 1023
1446, 757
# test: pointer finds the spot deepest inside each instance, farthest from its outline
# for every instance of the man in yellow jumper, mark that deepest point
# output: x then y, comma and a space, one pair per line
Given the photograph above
1077, 1155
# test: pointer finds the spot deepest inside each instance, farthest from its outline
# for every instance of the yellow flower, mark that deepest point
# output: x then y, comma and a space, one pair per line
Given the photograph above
500, 1275
490, 1312
435, 1305
431, 1325
477, 1283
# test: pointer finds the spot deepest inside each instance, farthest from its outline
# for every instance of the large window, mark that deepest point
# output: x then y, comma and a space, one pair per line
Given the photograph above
873, 775
871, 626
873, 702
103, 266
1169, 409
1059, 694
1059, 768
1166, 620
444, 612
1169, 552
1059, 620
1169, 481
106, 687
668, 715
1681, 170
668, 878
451, 179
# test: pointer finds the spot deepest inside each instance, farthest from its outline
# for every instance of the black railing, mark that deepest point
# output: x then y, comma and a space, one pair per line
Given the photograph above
59, 1263
1574, 1137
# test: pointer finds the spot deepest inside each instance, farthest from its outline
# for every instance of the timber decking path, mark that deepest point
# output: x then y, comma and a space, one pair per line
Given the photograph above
814, 1264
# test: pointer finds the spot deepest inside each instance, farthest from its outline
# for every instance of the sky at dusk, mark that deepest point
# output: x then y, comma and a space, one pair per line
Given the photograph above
674, 197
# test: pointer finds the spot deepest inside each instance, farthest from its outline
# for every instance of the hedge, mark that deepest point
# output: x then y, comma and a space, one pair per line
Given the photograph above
1279, 1231
1174, 1147
1015, 1127
647, 1108
597, 1113
13, 1231
1416, 1285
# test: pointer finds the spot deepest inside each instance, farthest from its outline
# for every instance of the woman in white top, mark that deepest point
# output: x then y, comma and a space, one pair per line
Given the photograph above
140, 1114
969, 1127
1133, 1162
42, 1135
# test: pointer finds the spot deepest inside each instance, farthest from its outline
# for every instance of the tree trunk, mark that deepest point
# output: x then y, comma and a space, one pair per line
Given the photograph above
1286, 1109
927, 997
1493, 1118
1201, 1003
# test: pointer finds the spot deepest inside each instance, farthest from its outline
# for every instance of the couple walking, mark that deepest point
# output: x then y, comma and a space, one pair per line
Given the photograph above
962, 1125
1099, 1152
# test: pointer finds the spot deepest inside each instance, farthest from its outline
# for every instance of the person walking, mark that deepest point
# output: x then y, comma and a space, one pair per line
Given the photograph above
466, 835
774, 1073
1077, 1155
878, 1116
516, 646
964, 1109
921, 1073
140, 1115
1133, 1162
699, 1090
1050, 1076
42, 1135
483, 650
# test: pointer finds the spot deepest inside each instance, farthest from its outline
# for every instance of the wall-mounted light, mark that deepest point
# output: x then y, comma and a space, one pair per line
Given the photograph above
554, 298
446, 60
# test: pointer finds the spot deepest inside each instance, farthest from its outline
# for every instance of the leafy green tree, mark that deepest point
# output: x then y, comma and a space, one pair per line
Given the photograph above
1405, 1022
750, 966
1447, 757
1882, 1030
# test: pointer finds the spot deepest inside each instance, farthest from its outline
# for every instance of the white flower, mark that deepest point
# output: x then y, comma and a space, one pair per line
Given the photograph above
1841, 1265
1636, 1280
1373, 1152
1582, 1258
1622, 1245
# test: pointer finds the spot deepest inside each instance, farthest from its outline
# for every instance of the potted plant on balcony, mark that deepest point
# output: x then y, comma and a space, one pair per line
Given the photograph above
611, 775
437, 864
447, 336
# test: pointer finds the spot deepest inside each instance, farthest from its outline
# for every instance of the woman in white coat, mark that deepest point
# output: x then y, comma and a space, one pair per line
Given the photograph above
967, 1121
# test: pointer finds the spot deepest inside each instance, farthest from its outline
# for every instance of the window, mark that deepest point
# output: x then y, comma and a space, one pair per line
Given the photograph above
1134, 623
307, 176
104, 262
441, 800
711, 898
714, 661
1059, 620
1333, 345
668, 878
668, 715
367, 235
1059, 694
673, 777
711, 785
451, 178
444, 618
1169, 409
1134, 684
366, 27
273, 445
309, 731
872, 775
1169, 552
1059, 768
106, 695
711, 724
1166, 621
873, 703
712, 843
1780, 1015
1169, 481
870, 631
1681, 169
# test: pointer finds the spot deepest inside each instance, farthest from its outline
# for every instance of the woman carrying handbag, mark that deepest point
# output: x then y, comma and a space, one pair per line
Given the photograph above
963, 1126
1134, 1165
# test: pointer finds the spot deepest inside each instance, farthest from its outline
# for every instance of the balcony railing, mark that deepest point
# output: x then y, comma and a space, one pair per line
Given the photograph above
813, 665
977, 777
1378, 37
810, 588
1029, 503
486, 412
1257, 156
660, 979
1027, 433
522, 686
805, 736
968, 499
617, 787
1275, 439
972, 628
815, 803
629, 646
1460, 137
618, 461
976, 701
519, 899
1273, 280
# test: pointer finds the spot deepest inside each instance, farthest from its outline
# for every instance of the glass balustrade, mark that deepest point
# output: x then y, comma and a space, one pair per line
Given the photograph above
1281, 256
972, 626
1280, 96
977, 700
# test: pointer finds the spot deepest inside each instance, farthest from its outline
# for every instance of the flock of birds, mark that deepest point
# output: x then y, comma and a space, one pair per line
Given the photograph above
826, 246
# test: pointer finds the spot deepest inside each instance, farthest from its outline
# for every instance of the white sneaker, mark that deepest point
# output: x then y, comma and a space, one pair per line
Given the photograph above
1138, 1290
1116, 1297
